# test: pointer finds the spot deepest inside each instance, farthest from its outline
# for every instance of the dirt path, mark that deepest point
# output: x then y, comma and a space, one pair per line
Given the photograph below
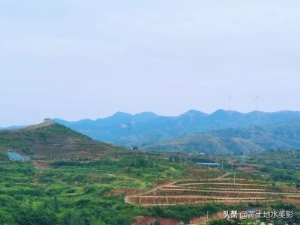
127, 198
222, 176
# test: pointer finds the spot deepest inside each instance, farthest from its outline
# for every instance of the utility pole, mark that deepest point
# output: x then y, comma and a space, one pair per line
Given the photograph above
167, 200
234, 178
256, 99
140, 198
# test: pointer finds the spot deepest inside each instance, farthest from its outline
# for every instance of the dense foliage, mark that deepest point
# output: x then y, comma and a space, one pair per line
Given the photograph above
79, 192
91, 192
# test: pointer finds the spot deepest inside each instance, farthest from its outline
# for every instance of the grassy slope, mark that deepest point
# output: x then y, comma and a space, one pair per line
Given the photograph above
50, 140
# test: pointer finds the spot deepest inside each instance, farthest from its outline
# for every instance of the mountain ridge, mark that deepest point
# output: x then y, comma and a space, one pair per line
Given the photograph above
148, 127
222, 132
233, 141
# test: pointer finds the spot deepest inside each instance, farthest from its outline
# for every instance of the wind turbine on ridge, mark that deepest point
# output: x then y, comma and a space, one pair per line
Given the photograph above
229, 101
256, 99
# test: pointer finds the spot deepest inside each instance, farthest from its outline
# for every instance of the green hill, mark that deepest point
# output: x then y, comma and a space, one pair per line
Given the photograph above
50, 139
282, 136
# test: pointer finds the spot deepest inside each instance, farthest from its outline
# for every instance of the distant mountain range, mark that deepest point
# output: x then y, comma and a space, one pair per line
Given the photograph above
11, 127
221, 132
284, 136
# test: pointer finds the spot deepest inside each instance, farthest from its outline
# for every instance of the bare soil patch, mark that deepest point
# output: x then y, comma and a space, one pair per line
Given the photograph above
148, 220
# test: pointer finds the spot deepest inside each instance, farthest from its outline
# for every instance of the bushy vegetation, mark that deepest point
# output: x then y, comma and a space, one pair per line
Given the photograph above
91, 192
52, 140
78, 192
279, 166
83, 192
185, 212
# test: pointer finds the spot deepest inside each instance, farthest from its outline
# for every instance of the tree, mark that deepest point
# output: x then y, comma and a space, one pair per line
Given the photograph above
95, 221
121, 220
55, 204
176, 159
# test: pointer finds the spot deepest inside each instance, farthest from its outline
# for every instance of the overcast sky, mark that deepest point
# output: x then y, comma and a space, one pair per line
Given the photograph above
75, 59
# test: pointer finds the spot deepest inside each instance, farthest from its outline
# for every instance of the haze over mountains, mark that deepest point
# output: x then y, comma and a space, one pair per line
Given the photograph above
221, 132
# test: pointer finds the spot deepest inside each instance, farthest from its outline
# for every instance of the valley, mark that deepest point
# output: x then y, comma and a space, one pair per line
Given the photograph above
72, 179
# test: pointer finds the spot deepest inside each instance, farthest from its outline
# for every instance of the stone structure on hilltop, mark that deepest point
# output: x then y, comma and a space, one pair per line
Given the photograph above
48, 120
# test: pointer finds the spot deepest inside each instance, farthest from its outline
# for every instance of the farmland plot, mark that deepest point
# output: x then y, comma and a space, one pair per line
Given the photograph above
218, 190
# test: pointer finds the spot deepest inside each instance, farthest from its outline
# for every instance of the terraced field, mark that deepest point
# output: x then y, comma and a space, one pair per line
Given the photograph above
52, 141
220, 190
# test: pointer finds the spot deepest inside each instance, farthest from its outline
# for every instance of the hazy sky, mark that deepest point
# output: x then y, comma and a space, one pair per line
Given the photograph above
75, 59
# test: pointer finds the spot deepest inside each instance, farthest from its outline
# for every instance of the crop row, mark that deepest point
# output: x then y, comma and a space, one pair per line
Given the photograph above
215, 194
177, 200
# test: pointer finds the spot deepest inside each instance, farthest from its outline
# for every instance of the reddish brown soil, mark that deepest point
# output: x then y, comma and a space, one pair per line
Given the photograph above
292, 201
290, 189
147, 220
126, 191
